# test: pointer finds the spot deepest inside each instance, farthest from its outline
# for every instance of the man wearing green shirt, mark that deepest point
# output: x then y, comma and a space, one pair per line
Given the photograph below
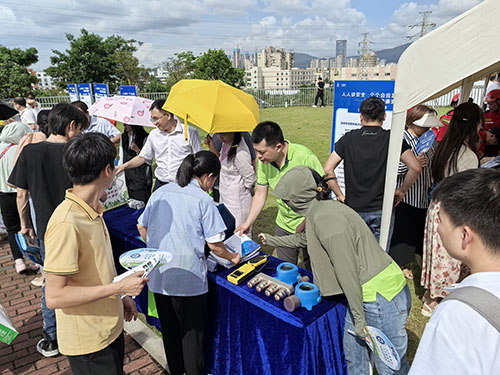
277, 156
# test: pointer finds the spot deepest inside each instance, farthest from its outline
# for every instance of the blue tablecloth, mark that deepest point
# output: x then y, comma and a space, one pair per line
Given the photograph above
249, 333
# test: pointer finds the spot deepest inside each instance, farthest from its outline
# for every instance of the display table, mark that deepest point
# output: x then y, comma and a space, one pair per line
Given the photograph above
249, 333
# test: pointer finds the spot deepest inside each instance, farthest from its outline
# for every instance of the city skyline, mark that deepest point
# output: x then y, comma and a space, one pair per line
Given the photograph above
165, 28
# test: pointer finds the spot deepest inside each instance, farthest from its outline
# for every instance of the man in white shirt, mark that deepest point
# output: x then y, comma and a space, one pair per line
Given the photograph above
167, 144
458, 340
26, 114
98, 124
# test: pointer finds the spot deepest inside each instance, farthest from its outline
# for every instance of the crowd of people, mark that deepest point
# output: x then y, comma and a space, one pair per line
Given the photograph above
56, 166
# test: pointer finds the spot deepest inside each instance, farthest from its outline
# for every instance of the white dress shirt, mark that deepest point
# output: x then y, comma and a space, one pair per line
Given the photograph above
169, 150
27, 116
101, 125
458, 340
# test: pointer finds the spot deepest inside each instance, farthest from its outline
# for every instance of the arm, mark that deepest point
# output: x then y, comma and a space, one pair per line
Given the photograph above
332, 163
60, 295
298, 240
243, 163
116, 139
414, 169
258, 202
135, 162
220, 250
23, 207
143, 231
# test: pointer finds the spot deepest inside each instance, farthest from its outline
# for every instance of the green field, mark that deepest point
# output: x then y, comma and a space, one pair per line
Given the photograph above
312, 127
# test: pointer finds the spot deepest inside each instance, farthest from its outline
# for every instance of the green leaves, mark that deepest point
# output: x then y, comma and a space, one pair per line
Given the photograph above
91, 58
15, 79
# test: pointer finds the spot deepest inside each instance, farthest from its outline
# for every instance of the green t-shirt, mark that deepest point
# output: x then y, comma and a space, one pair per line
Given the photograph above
268, 174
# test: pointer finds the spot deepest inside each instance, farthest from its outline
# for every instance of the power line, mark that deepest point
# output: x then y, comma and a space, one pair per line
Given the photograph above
424, 25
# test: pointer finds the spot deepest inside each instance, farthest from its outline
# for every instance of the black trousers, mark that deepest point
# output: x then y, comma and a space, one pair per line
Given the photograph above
140, 195
158, 184
182, 321
408, 235
319, 95
107, 361
11, 220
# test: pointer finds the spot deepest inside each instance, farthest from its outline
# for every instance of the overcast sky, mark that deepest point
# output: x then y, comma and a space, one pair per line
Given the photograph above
168, 26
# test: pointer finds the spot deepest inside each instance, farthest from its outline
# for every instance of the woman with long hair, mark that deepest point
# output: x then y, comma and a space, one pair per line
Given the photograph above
180, 218
409, 221
237, 176
139, 180
456, 152
347, 259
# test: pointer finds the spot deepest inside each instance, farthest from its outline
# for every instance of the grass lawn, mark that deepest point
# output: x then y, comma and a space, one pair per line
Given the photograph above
312, 127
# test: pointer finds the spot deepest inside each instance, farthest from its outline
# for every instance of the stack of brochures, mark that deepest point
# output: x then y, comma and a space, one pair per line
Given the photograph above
241, 244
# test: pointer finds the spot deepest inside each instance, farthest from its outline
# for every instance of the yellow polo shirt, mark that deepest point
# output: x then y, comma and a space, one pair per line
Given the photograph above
77, 246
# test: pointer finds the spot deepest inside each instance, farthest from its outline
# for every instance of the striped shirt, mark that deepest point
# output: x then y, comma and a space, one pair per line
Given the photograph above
417, 195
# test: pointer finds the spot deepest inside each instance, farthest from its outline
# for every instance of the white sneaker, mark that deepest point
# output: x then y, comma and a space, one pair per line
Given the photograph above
314, 106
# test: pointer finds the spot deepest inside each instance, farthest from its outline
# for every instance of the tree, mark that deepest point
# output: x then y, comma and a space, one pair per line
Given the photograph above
214, 64
181, 66
15, 79
90, 58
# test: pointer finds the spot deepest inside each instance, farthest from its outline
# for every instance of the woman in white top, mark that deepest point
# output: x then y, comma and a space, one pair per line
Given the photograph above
456, 152
237, 176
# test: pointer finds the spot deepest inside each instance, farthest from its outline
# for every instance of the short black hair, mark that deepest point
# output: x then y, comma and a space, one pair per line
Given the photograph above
62, 114
87, 155
268, 131
472, 198
20, 101
372, 109
158, 104
31, 96
42, 119
82, 106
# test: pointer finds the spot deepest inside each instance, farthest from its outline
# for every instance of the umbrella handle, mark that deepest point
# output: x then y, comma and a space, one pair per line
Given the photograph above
186, 127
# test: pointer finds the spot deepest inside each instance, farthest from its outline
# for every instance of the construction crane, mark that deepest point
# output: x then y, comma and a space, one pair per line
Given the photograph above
364, 53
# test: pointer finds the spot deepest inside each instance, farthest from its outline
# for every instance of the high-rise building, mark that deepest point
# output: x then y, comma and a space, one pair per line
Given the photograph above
236, 57
275, 57
341, 51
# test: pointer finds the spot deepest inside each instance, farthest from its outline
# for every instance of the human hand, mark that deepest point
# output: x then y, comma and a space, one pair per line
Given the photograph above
236, 258
134, 147
301, 227
129, 309
209, 141
242, 229
262, 238
422, 159
120, 169
398, 196
341, 198
29, 231
132, 285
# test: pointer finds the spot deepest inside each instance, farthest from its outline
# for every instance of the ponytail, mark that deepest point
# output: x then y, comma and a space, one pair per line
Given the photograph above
196, 165
324, 192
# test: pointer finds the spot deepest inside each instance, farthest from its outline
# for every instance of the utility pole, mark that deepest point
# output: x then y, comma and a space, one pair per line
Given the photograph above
424, 25
364, 51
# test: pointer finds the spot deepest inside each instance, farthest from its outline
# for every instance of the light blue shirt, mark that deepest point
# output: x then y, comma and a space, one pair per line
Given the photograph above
101, 125
179, 220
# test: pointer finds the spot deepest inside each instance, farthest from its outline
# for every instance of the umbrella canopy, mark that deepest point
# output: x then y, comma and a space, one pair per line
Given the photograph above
6, 110
213, 106
131, 110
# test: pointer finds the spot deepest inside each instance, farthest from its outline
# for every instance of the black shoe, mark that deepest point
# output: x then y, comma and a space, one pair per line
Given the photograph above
47, 348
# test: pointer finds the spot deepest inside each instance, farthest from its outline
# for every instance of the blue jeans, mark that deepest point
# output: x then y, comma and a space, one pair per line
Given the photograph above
373, 220
48, 315
390, 318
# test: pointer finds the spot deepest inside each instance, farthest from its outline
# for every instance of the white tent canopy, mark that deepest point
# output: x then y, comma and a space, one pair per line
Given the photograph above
454, 55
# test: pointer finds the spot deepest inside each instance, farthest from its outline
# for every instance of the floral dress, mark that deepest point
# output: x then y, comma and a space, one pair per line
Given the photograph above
439, 269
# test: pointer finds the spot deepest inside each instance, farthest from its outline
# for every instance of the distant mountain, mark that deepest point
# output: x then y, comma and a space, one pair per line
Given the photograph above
303, 60
390, 55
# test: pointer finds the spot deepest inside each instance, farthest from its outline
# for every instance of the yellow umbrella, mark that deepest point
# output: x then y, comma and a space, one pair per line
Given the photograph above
213, 106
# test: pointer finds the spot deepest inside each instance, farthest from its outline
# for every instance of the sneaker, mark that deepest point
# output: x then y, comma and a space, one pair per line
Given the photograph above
314, 106
47, 348
37, 281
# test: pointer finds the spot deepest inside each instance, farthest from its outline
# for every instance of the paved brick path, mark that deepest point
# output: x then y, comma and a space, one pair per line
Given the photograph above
22, 301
